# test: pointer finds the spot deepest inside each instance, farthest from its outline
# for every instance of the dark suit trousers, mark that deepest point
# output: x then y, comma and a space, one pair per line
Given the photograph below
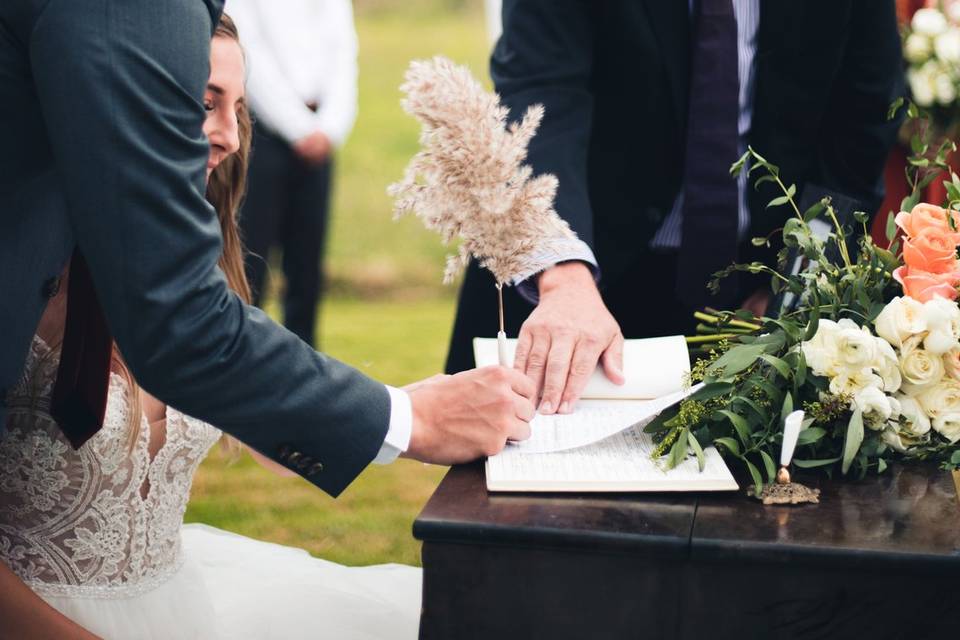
643, 300
287, 207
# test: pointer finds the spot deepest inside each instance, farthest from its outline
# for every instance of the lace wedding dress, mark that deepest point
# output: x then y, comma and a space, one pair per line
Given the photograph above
98, 533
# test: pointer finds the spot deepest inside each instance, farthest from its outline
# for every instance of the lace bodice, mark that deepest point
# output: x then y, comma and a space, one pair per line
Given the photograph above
77, 522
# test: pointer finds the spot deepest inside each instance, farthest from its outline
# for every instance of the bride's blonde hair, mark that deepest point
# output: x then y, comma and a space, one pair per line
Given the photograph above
225, 191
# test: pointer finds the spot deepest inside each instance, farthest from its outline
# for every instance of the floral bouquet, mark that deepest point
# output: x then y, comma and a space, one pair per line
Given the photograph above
931, 46
870, 351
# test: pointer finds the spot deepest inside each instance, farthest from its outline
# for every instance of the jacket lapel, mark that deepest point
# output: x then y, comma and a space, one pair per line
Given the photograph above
773, 25
670, 23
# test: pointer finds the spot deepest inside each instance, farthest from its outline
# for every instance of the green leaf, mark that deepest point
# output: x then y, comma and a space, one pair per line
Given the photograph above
894, 107
787, 407
778, 201
810, 435
755, 473
713, 390
760, 242
735, 360
955, 458
769, 466
810, 464
815, 210
739, 425
891, 231
729, 444
697, 450
678, 452
853, 439
782, 367
881, 465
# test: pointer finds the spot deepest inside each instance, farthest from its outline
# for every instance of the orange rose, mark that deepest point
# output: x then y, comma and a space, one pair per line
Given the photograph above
924, 286
932, 250
930, 218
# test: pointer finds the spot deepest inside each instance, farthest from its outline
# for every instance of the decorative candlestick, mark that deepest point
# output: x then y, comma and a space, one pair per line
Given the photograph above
784, 491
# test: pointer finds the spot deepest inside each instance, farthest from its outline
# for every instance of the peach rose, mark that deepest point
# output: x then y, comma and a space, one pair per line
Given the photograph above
933, 251
924, 217
923, 286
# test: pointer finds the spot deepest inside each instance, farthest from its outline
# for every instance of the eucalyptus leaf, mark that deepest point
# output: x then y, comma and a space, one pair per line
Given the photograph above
678, 452
768, 465
810, 464
782, 367
712, 390
729, 444
735, 360
755, 474
787, 407
697, 450
739, 425
810, 435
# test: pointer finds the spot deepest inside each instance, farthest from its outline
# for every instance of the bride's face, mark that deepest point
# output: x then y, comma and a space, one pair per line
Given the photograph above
223, 97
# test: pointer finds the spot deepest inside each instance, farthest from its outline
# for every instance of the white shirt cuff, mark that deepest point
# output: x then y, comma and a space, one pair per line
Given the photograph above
401, 427
551, 253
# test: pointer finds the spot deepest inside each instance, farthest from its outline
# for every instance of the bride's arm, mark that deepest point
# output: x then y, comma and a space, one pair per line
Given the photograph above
30, 616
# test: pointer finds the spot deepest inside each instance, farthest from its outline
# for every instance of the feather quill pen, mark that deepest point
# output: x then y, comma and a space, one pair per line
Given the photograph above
468, 181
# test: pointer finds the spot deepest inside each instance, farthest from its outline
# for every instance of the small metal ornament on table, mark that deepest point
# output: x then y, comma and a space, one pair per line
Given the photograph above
784, 491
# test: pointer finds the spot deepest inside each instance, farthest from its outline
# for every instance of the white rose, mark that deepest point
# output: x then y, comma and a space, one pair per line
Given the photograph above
917, 48
856, 346
850, 383
940, 399
892, 438
887, 366
951, 361
929, 22
876, 406
953, 12
820, 352
922, 83
947, 45
948, 425
943, 87
920, 368
900, 319
912, 417
943, 325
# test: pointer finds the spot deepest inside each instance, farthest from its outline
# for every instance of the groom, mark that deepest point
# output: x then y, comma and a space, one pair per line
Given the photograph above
103, 157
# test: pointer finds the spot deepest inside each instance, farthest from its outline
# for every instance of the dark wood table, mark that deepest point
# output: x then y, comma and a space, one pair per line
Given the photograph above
875, 559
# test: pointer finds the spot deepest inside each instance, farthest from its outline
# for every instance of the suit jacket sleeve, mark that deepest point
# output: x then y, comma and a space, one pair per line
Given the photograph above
545, 56
119, 84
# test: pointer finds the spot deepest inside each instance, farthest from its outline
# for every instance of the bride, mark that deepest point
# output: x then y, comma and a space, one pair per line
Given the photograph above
97, 533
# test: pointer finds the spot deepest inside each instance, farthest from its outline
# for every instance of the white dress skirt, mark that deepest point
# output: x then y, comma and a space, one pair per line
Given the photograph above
230, 586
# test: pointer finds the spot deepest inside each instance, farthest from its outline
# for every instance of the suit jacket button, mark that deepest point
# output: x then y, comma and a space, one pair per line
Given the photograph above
316, 468
283, 451
294, 457
51, 287
305, 462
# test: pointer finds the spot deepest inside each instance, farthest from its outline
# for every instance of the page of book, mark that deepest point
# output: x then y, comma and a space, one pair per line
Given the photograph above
592, 421
621, 462
653, 367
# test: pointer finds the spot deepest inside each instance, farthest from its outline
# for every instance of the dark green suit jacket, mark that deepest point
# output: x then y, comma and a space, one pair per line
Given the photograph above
101, 147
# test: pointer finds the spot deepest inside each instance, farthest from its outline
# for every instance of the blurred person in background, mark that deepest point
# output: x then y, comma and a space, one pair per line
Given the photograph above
302, 89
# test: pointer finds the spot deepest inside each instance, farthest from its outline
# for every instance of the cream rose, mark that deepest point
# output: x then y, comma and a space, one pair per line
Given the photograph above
943, 325
947, 45
917, 48
948, 425
900, 319
940, 399
920, 368
951, 363
892, 438
887, 366
945, 90
912, 417
929, 22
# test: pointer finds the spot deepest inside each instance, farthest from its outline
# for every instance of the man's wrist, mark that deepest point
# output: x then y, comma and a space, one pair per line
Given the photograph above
565, 274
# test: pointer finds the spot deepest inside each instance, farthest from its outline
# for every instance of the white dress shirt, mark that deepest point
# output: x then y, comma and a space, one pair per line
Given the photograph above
669, 234
300, 51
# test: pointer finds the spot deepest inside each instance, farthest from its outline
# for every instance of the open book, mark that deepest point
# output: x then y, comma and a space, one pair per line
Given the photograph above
601, 446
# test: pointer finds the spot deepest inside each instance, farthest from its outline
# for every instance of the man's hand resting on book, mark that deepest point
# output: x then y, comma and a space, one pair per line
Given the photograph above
469, 415
566, 335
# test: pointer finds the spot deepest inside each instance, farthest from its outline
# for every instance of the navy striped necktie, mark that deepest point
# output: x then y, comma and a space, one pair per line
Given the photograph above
710, 205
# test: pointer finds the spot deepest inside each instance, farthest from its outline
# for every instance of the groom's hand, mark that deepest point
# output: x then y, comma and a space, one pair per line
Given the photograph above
469, 415
566, 335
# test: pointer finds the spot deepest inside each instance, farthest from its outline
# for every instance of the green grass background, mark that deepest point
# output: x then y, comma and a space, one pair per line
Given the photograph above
387, 312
